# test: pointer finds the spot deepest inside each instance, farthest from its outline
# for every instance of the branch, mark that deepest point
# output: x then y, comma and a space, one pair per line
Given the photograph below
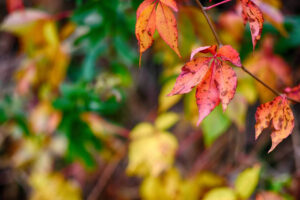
212, 28
215, 5
203, 10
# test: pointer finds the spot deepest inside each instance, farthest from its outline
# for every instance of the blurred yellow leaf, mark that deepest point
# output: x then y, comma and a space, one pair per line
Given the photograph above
164, 187
53, 187
166, 120
167, 102
150, 151
222, 193
207, 180
247, 181
142, 130
246, 87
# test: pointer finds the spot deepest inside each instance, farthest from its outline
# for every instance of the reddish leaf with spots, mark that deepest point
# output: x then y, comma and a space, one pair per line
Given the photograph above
279, 116
152, 15
252, 14
215, 79
293, 93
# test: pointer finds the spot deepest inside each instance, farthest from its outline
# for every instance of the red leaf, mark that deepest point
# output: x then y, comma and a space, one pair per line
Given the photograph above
207, 96
191, 75
252, 14
167, 26
279, 112
293, 93
13, 5
216, 81
228, 53
207, 49
227, 82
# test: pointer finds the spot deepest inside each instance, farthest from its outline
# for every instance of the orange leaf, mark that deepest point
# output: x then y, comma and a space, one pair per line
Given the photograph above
215, 78
252, 14
280, 114
145, 28
153, 14
293, 93
167, 26
142, 7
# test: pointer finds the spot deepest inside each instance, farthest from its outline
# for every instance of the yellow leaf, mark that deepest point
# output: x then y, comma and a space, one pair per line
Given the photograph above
166, 186
150, 152
52, 187
166, 120
167, 102
222, 193
142, 130
247, 181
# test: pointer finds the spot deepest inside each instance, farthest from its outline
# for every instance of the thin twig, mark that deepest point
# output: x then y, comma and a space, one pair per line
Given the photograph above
209, 23
217, 4
107, 173
260, 81
265, 85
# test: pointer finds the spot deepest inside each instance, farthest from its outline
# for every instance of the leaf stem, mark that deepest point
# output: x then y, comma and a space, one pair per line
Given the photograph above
209, 23
203, 10
215, 5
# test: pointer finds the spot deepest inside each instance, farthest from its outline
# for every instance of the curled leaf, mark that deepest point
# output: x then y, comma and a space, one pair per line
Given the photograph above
252, 14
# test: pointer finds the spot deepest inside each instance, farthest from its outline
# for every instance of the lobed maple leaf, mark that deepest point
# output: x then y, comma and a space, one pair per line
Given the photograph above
279, 116
252, 14
215, 80
293, 93
156, 15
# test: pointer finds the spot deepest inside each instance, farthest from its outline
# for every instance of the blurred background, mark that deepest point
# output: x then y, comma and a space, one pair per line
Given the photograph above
80, 120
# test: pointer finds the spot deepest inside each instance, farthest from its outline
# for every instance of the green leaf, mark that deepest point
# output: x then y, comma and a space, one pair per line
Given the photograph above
214, 125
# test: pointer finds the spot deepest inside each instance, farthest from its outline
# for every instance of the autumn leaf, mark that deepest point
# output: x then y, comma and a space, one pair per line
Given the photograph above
152, 15
252, 14
215, 79
279, 116
272, 14
293, 93
152, 148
